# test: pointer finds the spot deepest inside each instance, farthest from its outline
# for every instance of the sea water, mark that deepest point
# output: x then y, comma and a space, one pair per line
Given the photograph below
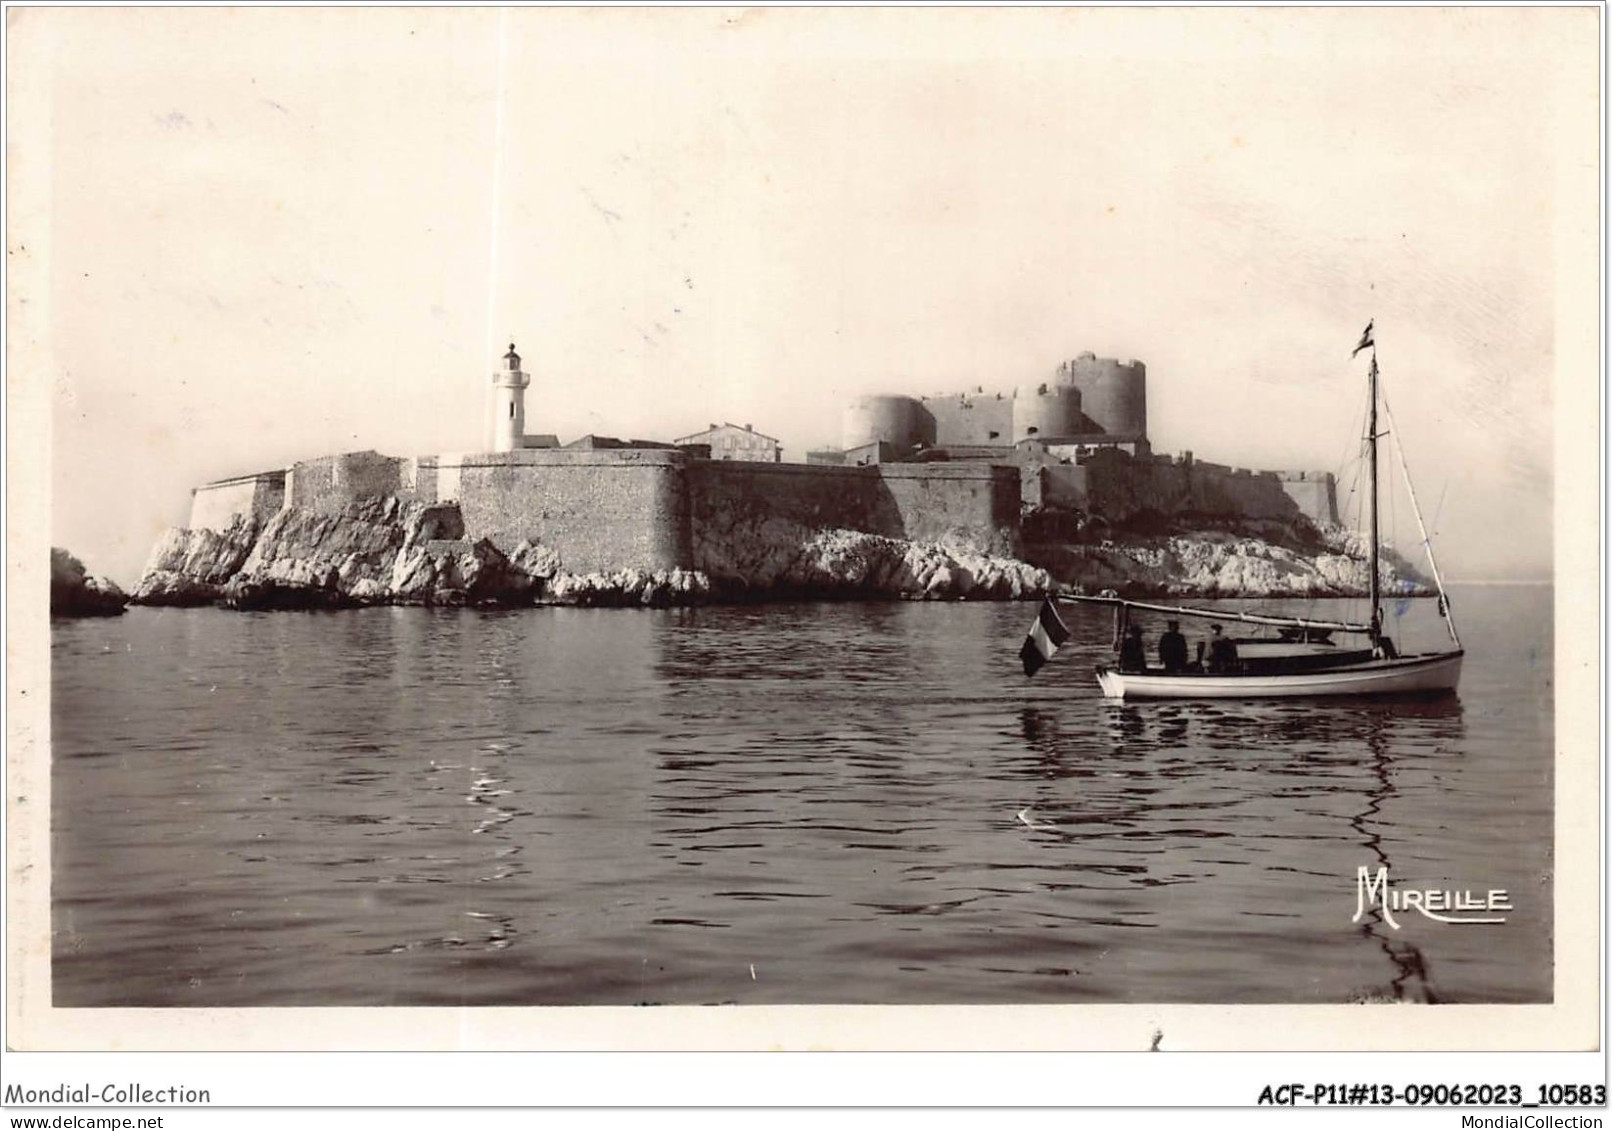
814, 803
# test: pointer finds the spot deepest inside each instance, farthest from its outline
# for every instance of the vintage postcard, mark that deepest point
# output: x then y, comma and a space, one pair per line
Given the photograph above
1038, 529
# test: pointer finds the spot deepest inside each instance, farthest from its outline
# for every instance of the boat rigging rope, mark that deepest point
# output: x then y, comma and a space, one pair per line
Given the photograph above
1427, 542
1352, 510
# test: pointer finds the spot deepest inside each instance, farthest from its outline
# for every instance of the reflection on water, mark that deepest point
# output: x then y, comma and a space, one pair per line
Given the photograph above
815, 803
1406, 958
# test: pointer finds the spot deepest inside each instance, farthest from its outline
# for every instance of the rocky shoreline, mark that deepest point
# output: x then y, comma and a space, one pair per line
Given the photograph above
74, 593
387, 551
1221, 563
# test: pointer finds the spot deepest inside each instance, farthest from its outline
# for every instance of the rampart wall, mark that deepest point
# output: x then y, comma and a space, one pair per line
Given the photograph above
603, 511
972, 502
659, 509
742, 515
1315, 493
215, 505
1119, 488
331, 482
599, 510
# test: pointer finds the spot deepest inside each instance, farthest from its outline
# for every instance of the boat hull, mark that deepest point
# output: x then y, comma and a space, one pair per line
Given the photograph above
1406, 675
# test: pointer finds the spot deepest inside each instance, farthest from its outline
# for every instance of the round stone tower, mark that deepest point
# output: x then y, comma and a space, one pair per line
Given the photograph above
901, 421
509, 403
1113, 394
1045, 412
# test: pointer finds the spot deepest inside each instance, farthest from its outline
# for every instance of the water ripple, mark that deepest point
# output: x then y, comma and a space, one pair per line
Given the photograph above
816, 803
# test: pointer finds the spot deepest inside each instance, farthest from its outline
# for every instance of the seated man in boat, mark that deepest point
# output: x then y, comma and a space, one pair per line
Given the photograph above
1173, 648
1132, 653
1222, 652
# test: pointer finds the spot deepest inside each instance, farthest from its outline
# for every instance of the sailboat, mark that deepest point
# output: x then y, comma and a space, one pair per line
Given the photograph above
1303, 659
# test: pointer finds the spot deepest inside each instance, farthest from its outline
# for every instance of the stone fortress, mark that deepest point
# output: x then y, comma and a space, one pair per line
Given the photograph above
1080, 443
1090, 402
962, 469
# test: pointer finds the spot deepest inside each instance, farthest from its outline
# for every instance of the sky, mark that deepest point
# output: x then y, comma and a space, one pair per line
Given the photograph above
271, 234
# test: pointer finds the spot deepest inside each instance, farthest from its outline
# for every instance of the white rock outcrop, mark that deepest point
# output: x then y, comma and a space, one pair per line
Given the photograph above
390, 551
378, 551
1219, 564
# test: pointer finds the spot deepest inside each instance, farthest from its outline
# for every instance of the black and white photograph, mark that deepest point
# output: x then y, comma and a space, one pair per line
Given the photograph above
627, 523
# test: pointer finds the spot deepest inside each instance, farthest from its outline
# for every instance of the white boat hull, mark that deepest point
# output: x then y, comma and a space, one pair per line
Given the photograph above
1407, 675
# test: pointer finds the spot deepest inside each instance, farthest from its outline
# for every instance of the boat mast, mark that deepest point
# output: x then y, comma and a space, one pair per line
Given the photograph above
1371, 439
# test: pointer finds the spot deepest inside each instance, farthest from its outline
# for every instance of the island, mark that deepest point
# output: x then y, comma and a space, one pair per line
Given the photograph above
999, 496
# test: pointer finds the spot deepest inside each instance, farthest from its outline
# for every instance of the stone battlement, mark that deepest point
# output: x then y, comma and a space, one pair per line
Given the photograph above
661, 508
1119, 487
650, 509
214, 505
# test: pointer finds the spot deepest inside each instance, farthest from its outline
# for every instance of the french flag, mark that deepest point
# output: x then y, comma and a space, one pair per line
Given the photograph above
1046, 635
1366, 340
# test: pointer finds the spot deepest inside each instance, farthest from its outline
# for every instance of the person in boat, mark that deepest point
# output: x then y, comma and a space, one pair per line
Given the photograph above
1222, 652
1132, 653
1173, 648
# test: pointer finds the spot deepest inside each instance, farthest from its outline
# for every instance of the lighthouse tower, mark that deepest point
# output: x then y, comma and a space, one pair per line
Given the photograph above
509, 403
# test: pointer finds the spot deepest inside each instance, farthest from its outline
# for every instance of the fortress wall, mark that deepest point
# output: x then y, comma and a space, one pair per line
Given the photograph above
601, 511
1120, 488
973, 502
1030, 484
880, 451
329, 483
215, 505
1315, 495
311, 482
970, 419
1062, 485
366, 475
744, 516
269, 498
420, 479
1242, 493
746, 520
